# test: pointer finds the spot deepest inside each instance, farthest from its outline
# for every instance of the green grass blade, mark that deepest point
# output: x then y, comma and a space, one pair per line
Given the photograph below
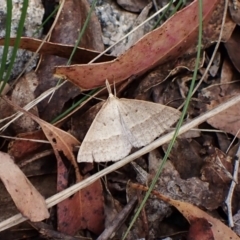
163, 14
82, 31
16, 44
179, 5
178, 124
6, 42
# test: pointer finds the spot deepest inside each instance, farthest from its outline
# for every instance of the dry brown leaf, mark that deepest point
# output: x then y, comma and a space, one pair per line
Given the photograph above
227, 120
83, 210
212, 29
200, 229
23, 148
218, 168
81, 55
234, 9
185, 157
232, 46
27, 199
161, 45
226, 76
192, 213
59, 139
22, 94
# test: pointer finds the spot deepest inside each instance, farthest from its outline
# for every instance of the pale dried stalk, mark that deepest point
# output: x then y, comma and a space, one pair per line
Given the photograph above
30, 105
234, 182
214, 53
55, 199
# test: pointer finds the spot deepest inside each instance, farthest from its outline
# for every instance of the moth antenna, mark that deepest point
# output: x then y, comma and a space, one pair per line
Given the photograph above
115, 92
108, 87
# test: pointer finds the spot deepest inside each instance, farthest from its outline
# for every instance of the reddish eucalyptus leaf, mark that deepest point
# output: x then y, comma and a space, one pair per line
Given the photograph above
81, 55
200, 229
27, 199
165, 43
22, 148
85, 209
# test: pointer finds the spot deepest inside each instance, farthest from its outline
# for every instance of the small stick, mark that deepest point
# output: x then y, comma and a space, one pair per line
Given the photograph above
55, 199
119, 220
228, 200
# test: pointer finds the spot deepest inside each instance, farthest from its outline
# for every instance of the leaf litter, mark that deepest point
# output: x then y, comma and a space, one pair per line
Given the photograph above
65, 32
78, 210
193, 214
199, 169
